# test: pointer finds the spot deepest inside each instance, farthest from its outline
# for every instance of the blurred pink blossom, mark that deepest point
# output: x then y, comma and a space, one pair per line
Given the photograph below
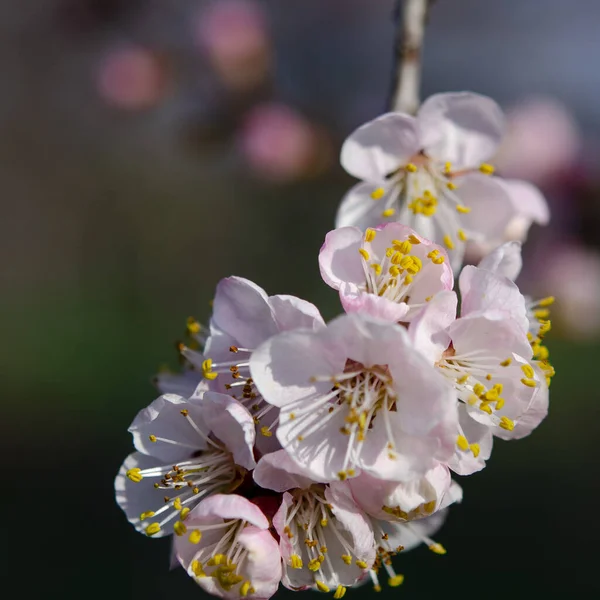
577, 308
541, 142
279, 143
234, 34
131, 78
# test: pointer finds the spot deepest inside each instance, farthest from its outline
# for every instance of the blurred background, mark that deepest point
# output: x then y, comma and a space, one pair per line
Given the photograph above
149, 148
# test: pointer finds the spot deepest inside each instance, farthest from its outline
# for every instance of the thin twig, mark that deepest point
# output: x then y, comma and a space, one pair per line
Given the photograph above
406, 77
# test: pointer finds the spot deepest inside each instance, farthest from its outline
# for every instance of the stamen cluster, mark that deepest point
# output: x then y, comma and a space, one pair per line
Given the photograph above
292, 451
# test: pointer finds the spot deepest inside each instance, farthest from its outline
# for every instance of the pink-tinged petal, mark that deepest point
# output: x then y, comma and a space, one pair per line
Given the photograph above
381, 146
242, 310
284, 366
294, 313
339, 259
505, 260
461, 127
528, 417
228, 506
355, 300
528, 201
162, 420
352, 519
136, 498
181, 384
413, 534
491, 334
278, 472
490, 204
406, 500
464, 462
232, 424
485, 291
428, 330
358, 209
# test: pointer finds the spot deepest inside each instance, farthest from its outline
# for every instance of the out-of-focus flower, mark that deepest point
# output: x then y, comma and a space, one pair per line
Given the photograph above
356, 396
132, 78
186, 450
428, 172
228, 549
234, 35
388, 273
542, 141
280, 144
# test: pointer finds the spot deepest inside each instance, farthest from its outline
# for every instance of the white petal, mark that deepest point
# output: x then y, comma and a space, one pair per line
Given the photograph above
356, 301
428, 329
528, 200
163, 419
339, 259
505, 260
181, 384
483, 291
358, 209
242, 310
410, 535
294, 313
461, 127
232, 424
228, 506
381, 146
278, 472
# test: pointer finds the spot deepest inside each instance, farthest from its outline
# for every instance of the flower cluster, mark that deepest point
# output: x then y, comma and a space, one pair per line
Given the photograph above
290, 450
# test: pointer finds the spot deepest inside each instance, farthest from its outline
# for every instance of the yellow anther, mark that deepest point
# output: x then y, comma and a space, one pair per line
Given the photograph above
491, 395
377, 268
347, 559
377, 193
361, 564
448, 168
478, 389
405, 247
413, 239
377, 588
216, 560
411, 168
486, 168
179, 528
485, 408
408, 280
500, 403
197, 569
265, 431
527, 370
153, 438
323, 522
462, 236
364, 253
541, 313
207, 371
321, 586
314, 564
546, 301
245, 588
396, 258
473, 400
394, 271
506, 423
184, 513
342, 475
152, 529
429, 507
135, 474
146, 515
193, 326
300, 438
451, 185
462, 442
498, 387
292, 416
296, 561
177, 504
396, 580
475, 449
462, 380
463, 209
438, 260
339, 592
370, 235
528, 382
448, 242
506, 362
489, 376
437, 548
351, 472
388, 212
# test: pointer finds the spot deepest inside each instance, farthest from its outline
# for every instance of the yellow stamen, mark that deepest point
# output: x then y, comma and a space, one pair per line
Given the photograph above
388, 212
506, 362
361, 564
462, 442
475, 449
179, 528
296, 561
451, 185
321, 586
370, 235
146, 515
135, 474
197, 569
244, 588
448, 242
506, 423
546, 301
396, 580
339, 592
486, 168
377, 193
462, 209
152, 529
411, 168
265, 431
153, 438
462, 236
528, 382
347, 559
193, 326
413, 239
437, 548
207, 371
364, 253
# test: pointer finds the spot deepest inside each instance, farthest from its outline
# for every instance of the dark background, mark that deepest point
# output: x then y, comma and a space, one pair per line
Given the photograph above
137, 169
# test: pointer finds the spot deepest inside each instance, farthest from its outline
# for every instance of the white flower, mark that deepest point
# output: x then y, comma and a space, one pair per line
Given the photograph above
325, 539
486, 356
428, 172
389, 273
186, 451
228, 549
243, 317
356, 396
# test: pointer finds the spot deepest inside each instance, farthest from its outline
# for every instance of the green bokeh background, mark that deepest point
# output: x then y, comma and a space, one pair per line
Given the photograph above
108, 245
